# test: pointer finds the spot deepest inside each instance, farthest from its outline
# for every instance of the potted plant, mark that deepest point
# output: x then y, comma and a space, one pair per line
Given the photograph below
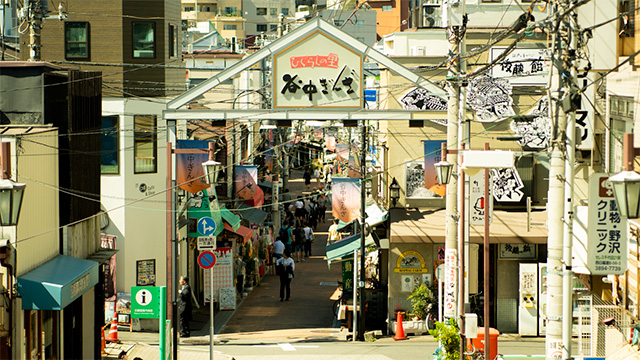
446, 333
424, 305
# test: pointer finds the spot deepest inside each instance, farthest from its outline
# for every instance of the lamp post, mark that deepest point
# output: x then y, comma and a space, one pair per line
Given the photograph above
211, 170
394, 191
11, 195
626, 184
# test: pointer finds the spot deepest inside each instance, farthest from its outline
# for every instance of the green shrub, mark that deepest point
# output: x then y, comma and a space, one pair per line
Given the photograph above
447, 334
420, 298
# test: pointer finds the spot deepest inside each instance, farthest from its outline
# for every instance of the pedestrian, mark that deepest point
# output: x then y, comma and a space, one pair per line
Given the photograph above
307, 178
334, 234
298, 238
318, 175
313, 214
308, 236
184, 307
300, 210
285, 266
240, 272
285, 235
322, 207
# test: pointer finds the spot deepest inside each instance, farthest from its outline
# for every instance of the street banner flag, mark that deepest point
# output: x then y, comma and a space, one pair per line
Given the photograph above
246, 185
189, 172
345, 198
432, 155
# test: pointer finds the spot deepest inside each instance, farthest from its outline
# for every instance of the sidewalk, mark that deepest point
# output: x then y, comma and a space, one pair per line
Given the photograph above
260, 316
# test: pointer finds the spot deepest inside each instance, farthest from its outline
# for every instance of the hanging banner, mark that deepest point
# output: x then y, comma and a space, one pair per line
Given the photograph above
433, 155
246, 185
421, 99
342, 152
450, 277
507, 185
109, 242
345, 198
354, 168
189, 172
607, 230
330, 142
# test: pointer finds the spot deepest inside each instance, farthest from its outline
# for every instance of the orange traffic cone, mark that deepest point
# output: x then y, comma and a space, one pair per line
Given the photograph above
102, 343
399, 329
113, 333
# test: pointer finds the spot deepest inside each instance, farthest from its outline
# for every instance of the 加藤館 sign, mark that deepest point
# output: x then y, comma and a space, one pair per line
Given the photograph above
320, 72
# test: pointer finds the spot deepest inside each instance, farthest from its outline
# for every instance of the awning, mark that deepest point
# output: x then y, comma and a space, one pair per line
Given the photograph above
243, 231
346, 246
230, 218
376, 215
251, 214
428, 226
57, 283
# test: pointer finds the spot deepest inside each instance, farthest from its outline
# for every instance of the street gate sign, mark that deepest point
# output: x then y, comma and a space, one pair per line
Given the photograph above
145, 302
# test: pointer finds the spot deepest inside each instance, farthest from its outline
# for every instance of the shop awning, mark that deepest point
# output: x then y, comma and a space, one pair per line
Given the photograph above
428, 227
252, 214
243, 231
346, 246
57, 283
376, 215
230, 218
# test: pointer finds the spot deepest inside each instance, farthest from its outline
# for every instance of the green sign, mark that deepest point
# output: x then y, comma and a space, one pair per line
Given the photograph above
347, 274
145, 302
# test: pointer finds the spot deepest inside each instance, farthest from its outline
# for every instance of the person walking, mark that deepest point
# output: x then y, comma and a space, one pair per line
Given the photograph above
318, 175
307, 178
184, 307
278, 250
300, 210
334, 234
308, 236
285, 266
322, 206
298, 236
313, 213
285, 235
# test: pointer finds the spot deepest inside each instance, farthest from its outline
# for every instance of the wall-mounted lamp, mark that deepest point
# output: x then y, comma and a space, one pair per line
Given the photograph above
394, 191
11, 192
626, 184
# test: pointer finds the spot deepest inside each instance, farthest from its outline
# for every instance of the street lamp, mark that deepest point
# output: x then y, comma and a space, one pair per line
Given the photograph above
211, 168
394, 191
443, 172
626, 184
11, 192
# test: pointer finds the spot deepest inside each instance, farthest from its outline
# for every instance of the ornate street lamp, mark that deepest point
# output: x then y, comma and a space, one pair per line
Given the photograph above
626, 184
11, 192
443, 171
211, 168
394, 191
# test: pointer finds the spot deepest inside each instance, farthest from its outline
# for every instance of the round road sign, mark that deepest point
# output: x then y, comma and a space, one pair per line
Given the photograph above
206, 259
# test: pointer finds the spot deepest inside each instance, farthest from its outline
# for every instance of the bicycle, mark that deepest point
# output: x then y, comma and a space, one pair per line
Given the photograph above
477, 306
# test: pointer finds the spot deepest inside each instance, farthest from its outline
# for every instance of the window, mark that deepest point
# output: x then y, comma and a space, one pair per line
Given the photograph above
76, 40
189, 8
621, 122
208, 9
144, 40
261, 27
285, 11
273, 12
338, 22
261, 11
144, 144
173, 40
387, 8
229, 27
109, 146
273, 27
230, 11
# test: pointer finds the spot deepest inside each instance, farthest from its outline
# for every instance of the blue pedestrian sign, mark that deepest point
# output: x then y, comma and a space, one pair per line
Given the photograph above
206, 226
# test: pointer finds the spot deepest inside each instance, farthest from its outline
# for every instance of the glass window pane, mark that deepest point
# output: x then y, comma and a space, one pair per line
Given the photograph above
261, 11
285, 11
76, 39
145, 151
143, 40
109, 149
273, 12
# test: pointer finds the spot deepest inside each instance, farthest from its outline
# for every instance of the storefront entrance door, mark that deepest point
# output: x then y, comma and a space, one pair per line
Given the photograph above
73, 330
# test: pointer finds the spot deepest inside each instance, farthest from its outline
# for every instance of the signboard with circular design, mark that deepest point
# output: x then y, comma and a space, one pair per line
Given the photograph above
206, 259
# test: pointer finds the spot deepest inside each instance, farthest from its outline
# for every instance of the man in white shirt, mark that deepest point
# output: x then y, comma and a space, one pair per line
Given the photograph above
287, 265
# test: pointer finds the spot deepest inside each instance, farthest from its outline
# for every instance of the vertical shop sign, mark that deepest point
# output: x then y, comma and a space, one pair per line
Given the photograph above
246, 185
607, 230
189, 171
450, 274
345, 198
477, 200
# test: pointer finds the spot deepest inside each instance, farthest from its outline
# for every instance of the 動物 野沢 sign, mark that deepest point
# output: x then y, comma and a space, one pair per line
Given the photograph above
319, 72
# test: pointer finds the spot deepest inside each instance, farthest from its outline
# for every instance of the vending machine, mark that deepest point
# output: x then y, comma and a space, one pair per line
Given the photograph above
528, 300
542, 299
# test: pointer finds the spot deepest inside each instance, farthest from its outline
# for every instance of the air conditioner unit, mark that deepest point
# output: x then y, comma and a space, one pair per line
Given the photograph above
431, 16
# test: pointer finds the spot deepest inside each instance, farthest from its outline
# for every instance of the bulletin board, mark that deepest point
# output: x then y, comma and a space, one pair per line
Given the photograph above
146, 272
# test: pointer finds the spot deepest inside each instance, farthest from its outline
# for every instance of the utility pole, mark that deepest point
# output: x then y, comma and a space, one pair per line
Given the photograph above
34, 16
453, 89
561, 92
363, 216
463, 206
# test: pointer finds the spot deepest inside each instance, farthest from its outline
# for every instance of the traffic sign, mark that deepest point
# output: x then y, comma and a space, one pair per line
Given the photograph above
206, 242
206, 259
145, 302
206, 226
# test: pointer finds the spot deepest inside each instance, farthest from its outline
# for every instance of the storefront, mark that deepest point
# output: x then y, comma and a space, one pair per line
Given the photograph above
417, 245
58, 303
